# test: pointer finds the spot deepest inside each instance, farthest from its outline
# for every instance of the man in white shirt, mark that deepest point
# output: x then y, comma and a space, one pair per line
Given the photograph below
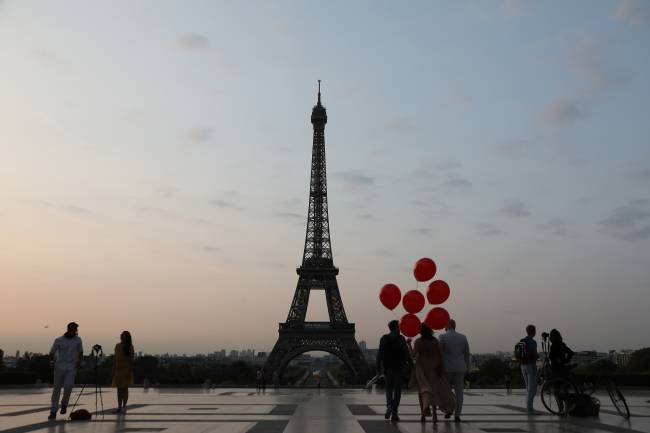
66, 353
455, 354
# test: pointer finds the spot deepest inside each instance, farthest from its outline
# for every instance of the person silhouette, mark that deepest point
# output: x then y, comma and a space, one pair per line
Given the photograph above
560, 355
123, 369
429, 377
392, 360
66, 355
456, 356
529, 367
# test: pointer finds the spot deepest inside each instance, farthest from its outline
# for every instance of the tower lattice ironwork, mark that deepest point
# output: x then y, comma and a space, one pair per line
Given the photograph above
317, 272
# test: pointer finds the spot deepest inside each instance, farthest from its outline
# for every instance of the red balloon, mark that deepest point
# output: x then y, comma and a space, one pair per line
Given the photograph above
438, 292
410, 325
390, 295
413, 301
437, 318
424, 269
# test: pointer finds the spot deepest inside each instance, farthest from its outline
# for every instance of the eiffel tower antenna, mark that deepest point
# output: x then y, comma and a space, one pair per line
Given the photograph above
317, 272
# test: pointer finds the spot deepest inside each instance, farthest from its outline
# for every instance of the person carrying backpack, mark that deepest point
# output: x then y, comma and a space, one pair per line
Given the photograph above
526, 355
392, 358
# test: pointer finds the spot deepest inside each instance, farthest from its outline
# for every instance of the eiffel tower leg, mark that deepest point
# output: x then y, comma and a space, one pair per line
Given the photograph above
338, 342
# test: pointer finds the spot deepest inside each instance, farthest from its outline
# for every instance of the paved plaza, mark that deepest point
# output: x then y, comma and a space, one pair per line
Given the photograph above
301, 410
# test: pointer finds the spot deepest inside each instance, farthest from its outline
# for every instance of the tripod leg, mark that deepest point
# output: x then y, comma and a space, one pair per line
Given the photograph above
77, 400
101, 399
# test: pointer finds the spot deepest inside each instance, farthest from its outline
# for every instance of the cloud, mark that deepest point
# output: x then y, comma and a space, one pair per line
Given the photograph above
353, 179
193, 41
292, 215
514, 208
383, 253
630, 222
556, 226
400, 125
515, 148
200, 135
564, 112
457, 182
69, 208
420, 203
225, 204
447, 165
152, 209
513, 8
292, 202
167, 191
486, 229
632, 12
642, 175
586, 59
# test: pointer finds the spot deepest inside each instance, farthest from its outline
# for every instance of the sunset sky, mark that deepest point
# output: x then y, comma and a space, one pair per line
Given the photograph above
155, 155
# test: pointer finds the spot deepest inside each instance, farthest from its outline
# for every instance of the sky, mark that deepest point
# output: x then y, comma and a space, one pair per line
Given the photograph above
155, 158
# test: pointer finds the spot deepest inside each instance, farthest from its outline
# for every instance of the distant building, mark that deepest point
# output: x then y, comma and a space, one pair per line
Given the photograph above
621, 358
363, 345
10, 361
589, 357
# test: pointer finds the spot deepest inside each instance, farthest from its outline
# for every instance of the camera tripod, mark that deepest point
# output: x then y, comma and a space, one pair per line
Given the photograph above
95, 354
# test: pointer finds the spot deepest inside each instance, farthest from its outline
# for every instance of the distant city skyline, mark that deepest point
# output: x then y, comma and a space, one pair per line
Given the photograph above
155, 167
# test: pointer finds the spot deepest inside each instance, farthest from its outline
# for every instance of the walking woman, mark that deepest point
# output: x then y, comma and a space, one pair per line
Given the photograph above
123, 370
428, 376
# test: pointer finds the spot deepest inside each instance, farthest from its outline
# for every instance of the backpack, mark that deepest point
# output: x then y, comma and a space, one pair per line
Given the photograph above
585, 405
521, 351
80, 415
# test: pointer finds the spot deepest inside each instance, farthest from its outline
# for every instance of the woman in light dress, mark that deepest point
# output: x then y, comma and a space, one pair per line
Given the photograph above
428, 376
123, 370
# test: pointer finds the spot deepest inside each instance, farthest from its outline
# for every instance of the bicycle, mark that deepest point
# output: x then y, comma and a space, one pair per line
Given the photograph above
560, 393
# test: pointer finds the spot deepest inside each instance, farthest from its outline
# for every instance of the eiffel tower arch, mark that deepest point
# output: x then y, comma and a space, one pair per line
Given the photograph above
317, 272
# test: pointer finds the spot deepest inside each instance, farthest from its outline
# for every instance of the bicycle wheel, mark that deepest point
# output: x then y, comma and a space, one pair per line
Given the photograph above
559, 395
618, 400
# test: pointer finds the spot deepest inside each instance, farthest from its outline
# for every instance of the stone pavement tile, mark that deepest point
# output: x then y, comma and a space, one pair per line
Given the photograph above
305, 411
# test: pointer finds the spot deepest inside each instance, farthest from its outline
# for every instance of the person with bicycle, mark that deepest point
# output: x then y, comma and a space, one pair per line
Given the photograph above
559, 355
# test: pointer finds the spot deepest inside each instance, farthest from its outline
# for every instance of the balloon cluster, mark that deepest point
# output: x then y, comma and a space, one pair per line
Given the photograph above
413, 301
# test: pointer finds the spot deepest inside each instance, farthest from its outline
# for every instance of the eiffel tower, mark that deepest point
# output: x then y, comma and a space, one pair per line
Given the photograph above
317, 272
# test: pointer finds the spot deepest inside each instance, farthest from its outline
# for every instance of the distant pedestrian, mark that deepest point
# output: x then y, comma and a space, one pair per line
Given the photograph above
66, 355
526, 354
260, 381
123, 369
455, 353
428, 376
393, 360
508, 383
276, 380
